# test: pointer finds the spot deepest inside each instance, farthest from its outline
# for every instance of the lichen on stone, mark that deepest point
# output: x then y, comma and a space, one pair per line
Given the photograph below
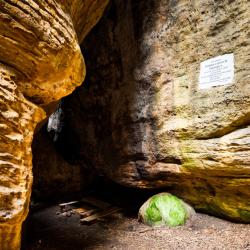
165, 209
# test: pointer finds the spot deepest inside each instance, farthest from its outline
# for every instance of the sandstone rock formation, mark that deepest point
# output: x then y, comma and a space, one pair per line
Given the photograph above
40, 62
141, 117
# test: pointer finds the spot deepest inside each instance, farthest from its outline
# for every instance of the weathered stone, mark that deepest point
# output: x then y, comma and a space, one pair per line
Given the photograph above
41, 62
17, 123
142, 119
165, 209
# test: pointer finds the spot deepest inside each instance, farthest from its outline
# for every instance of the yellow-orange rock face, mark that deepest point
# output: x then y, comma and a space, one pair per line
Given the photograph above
41, 62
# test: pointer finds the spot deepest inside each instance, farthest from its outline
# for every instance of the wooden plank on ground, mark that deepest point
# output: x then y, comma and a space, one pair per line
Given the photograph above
67, 205
88, 213
92, 218
80, 210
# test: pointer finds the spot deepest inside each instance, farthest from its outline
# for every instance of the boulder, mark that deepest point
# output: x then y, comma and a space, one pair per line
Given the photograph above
165, 209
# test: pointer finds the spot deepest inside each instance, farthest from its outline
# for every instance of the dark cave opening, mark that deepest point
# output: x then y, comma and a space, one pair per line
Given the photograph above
62, 173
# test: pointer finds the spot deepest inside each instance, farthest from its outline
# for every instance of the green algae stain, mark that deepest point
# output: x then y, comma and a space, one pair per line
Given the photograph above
153, 213
166, 208
244, 215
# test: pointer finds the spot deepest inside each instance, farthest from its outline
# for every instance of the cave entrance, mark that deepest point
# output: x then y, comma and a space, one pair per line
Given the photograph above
62, 175
51, 225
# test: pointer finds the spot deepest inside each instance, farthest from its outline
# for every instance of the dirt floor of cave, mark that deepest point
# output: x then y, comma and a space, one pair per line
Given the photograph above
45, 229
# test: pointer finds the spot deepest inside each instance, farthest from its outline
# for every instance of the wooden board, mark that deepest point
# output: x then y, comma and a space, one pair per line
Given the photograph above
90, 209
86, 213
67, 206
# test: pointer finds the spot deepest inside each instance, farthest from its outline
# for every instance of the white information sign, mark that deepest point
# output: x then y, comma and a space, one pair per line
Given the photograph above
216, 71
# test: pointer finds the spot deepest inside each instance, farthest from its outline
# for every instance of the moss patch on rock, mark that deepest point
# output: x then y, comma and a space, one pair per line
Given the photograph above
244, 214
165, 209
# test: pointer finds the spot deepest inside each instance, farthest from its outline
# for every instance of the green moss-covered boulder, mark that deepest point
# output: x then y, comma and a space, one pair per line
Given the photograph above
165, 209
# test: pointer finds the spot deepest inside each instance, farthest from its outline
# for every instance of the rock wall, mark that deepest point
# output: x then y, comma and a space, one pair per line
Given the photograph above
40, 62
54, 176
142, 119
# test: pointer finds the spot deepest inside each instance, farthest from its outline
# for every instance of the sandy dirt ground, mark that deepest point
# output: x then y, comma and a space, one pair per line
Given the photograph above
45, 229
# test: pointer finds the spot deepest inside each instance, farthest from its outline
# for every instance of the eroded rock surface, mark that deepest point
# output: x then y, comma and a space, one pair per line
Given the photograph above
41, 62
142, 119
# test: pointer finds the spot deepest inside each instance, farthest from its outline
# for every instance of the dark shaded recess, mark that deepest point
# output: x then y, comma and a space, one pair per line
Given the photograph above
91, 138
68, 142
54, 177
85, 115
112, 52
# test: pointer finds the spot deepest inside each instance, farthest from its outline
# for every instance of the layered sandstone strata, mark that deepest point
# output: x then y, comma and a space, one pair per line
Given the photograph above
41, 62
